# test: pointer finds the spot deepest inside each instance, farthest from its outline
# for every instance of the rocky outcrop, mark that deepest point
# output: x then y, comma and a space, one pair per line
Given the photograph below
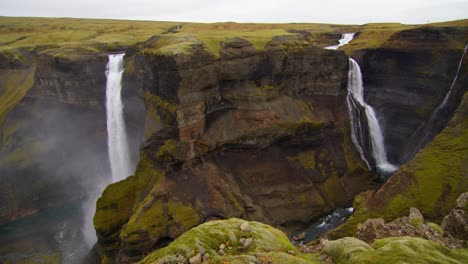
260, 135
456, 222
373, 229
408, 76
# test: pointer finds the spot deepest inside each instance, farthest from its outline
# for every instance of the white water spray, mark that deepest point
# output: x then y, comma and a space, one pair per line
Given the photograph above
345, 39
116, 134
355, 98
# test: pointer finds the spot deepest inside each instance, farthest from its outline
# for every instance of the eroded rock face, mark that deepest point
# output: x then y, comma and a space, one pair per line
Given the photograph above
249, 134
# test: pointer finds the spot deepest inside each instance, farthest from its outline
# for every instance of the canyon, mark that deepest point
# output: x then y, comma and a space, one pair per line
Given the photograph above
251, 127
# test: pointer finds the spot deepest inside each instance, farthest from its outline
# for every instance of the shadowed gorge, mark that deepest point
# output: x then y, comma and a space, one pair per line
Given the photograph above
228, 124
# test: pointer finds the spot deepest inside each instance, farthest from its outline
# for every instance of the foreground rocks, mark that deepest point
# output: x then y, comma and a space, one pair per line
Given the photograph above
269, 245
373, 229
259, 245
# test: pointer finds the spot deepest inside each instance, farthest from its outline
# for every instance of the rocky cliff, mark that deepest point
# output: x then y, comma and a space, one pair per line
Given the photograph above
55, 125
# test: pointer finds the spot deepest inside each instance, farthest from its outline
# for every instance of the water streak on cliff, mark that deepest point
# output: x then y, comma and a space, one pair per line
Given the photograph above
437, 118
117, 136
356, 102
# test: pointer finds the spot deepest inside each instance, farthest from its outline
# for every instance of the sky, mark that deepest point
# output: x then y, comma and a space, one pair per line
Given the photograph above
260, 11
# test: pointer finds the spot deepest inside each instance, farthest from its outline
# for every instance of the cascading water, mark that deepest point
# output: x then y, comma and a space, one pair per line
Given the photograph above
117, 136
430, 127
345, 39
355, 99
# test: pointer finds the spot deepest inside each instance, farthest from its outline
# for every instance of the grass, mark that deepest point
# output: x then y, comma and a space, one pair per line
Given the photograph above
68, 36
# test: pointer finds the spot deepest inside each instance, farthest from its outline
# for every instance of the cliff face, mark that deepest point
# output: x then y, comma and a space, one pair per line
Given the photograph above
260, 135
53, 145
407, 77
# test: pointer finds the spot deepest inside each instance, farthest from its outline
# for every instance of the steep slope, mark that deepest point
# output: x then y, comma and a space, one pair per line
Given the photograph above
432, 181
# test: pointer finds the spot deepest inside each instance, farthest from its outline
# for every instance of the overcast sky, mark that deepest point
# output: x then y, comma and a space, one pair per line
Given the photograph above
325, 11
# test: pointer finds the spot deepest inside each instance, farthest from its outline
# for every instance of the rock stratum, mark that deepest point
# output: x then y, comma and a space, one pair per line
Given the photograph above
251, 123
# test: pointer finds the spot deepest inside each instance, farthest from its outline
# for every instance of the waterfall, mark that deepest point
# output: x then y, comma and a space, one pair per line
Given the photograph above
436, 120
355, 99
116, 134
345, 39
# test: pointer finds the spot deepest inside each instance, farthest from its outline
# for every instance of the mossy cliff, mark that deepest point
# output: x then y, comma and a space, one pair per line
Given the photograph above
432, 181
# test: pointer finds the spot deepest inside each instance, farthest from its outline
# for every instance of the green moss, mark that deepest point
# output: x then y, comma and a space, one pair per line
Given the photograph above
172, 150
115, 205
305, 159
185, 215
159, 102
268, 243
392, 250
14, 84
435, 227
152, 220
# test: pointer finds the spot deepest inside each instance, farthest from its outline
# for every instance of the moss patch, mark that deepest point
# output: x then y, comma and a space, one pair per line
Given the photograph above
393, 250
115, 205
268, 244
14, 84
305, 159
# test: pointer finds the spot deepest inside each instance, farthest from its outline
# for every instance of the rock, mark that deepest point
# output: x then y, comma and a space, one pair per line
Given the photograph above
221, 252
374, 229
291, 252
245, 226
222, 246
415, 217
195, 259
462, 201
299, 237
247, 242
456, 224
206, 257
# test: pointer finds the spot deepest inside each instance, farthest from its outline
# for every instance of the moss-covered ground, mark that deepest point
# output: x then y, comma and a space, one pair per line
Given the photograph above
393, 250
269, 245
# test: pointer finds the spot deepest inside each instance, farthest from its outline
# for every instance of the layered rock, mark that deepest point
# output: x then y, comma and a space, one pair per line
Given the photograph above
260, 135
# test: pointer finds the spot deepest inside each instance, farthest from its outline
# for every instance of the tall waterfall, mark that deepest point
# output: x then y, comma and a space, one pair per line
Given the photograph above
116, 134
355, 99
345, 39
